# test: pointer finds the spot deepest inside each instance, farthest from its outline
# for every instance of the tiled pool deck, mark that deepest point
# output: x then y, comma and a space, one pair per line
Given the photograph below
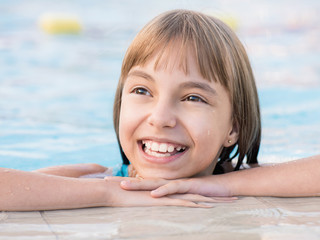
247, 218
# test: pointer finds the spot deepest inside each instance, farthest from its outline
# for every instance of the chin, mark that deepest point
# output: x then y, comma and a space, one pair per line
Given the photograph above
161, 174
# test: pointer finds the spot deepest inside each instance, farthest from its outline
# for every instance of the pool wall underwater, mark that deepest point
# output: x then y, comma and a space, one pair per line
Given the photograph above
57, 90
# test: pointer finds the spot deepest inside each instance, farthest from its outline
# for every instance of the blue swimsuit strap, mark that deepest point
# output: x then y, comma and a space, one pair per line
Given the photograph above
120, 170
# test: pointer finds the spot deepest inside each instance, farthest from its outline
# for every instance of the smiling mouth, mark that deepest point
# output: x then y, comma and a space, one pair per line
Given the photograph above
157, 149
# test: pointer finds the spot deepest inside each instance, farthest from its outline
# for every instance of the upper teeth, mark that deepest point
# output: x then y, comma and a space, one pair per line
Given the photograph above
161, 147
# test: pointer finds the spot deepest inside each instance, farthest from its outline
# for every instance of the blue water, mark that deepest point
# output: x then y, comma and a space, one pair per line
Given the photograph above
56, 91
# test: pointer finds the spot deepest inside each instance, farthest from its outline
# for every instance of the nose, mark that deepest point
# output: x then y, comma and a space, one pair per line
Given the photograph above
162, 115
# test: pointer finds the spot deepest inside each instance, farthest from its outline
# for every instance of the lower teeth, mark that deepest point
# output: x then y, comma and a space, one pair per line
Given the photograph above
156, 154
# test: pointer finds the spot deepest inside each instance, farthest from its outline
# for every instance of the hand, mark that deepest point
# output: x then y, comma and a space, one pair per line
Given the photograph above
191, 191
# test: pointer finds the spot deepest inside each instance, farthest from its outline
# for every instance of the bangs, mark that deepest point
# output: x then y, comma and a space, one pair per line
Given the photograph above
165, 53
184, 34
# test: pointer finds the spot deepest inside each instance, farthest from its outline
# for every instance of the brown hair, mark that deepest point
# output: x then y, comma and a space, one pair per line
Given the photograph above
220, 57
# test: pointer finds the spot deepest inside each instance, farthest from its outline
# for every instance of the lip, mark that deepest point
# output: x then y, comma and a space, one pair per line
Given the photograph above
161, 160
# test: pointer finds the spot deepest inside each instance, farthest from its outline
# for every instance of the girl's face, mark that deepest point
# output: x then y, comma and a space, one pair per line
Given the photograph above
174, 125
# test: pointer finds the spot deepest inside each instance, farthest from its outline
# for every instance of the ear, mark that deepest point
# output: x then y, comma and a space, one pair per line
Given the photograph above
233, 136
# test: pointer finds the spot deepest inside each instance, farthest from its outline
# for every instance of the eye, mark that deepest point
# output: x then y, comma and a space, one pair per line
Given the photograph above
140, 91
194, 98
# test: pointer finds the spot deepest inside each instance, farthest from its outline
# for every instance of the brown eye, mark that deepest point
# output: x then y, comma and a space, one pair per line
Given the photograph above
141, 91
193, 98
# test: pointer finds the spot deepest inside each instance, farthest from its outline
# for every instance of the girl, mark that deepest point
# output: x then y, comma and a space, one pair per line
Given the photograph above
185, 106
186, 99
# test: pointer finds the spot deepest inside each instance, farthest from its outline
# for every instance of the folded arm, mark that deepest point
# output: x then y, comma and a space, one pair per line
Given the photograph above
30, 191
298, 178
25, 191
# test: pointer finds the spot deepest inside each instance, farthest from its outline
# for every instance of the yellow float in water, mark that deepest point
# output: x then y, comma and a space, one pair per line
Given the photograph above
231, 21
60, 24
228, 19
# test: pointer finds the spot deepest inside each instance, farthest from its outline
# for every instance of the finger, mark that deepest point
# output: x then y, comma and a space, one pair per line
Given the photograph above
116, 179
142, 184
184, 203
200, 198
178, 186
225, 198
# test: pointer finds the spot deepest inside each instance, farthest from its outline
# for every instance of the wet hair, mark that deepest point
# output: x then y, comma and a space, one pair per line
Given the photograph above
220, 57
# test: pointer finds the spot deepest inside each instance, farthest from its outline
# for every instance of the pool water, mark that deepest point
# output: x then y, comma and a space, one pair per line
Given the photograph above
56, 91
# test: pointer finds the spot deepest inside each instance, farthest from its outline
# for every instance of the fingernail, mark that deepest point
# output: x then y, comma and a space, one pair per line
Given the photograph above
155, 192
207, 204
110, 178
125, 182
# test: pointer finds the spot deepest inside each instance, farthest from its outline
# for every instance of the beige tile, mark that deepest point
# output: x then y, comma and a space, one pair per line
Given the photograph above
247, 218
24, 225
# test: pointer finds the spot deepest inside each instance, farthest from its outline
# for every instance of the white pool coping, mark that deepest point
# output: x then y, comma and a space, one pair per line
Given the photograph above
247, 218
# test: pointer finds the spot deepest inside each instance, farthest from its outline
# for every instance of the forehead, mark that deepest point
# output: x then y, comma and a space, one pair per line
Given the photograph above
168, 65
175, 55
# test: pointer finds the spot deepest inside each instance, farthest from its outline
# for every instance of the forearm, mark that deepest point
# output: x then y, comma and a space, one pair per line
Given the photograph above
296, 178
27, 191
73, 170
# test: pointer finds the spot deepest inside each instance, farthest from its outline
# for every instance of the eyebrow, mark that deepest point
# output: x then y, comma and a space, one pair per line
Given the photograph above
203, 86
199, 85
142, 74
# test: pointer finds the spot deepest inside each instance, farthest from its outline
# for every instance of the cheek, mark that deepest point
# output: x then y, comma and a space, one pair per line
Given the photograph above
129, 120
124, 124
201, 125
208, 132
